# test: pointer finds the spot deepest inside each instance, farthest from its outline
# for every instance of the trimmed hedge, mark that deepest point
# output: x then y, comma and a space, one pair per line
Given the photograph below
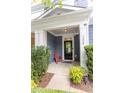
89, 53
40, 60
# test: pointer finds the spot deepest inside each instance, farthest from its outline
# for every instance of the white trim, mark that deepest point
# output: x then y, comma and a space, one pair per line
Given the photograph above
83, 42
53, 22
87, 32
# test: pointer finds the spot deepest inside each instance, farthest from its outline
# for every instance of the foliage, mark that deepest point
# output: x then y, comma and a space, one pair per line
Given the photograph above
89, 52
49, 3
40, 60
33, 84
76, 74
41, 90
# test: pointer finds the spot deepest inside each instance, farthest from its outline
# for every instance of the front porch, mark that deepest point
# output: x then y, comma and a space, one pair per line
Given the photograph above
51, 32
65, 41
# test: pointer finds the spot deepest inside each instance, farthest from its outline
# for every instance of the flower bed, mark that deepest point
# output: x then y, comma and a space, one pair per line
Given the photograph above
88, 87
45, 80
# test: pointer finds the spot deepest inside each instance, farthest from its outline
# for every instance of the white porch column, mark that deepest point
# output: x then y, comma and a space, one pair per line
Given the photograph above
84, 40
40, 38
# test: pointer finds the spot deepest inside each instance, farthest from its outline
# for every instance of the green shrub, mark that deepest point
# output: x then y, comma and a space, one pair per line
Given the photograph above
40, 60
89, 53
76, 74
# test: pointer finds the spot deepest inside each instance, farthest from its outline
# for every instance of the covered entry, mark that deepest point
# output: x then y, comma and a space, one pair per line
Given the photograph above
64, 41
54, 27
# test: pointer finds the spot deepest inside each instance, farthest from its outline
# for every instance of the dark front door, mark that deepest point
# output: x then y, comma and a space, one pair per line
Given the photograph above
68, 50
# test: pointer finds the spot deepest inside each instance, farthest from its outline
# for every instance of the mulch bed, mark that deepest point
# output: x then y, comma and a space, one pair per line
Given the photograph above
88, 87
45, 80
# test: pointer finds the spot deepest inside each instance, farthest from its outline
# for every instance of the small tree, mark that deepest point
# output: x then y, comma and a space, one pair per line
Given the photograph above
49, 3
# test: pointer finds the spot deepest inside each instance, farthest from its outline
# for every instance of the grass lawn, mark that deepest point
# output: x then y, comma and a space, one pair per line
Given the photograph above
42, 90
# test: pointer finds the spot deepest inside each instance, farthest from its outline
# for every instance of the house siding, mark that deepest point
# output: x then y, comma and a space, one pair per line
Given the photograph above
59, 45
81, 3
54, 43
90, 34
77, 47
51, 42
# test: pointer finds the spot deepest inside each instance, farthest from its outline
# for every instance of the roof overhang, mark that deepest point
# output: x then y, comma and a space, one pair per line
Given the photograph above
39, 9
68, 19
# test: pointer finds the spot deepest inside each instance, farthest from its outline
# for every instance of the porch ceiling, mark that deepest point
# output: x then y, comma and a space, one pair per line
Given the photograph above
65, 30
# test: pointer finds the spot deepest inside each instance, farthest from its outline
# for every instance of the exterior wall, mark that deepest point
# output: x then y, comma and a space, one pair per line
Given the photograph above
77, 48
54, 43
59, 45
90, 34
51, 42
40, 38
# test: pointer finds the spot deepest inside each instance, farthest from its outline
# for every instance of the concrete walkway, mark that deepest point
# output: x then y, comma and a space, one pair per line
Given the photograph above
61, 80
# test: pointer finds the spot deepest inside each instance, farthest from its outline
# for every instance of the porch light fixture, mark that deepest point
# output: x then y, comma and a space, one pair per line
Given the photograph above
65, 29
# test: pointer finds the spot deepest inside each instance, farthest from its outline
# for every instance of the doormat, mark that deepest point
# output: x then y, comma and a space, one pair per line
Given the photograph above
67, 62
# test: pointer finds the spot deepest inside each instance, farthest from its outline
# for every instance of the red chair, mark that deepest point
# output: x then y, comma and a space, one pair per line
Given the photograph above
57, 58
